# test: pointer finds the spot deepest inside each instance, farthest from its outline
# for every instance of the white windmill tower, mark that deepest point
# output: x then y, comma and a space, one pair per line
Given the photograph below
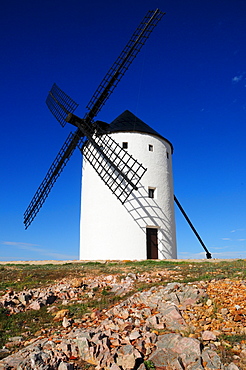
143, 226
132, 217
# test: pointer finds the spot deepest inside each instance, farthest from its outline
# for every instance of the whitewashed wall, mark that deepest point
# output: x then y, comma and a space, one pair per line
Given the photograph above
110, 230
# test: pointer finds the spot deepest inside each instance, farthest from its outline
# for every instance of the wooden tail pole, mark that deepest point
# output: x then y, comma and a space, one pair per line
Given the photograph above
208, 254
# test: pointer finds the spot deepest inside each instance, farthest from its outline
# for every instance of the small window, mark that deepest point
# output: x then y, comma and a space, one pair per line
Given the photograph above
124, 145
167, 155
151, 148
151, 192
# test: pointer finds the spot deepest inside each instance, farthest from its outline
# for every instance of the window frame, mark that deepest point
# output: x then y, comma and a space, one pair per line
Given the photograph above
151, 192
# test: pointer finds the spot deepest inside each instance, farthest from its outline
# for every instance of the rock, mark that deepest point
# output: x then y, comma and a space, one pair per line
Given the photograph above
84, 350
167, 340
126, 338
127, 356
243, 353
211, 359
159, 359
35, 305
110, 278
61, 314
190, 360
224, 311
15, 339
24, 298
38, 359
154, 322
150, 337
208, 335
4, 352
134, 335
145, 313
232, 366
115, 340
76, 283
177, 352
78, 333
123, 314
114, 366
132, 276
52, 309
95, 314
103, 358
90, 294
173, 318
190, 345
66, 323
179, 345
97, 338
65, 366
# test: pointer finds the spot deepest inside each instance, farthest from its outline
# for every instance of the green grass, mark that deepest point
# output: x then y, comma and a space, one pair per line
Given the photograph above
76, 310
24, 323
149, 365
20, 277
233, 339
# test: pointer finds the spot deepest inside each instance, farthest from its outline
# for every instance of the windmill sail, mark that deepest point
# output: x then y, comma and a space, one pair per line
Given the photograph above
60, 104
123, 62
119, 171
54, 172
115, 166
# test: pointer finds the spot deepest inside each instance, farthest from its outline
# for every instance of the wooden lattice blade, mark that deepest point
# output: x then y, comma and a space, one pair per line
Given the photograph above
122, 63
115, 166
60, 104
54, 172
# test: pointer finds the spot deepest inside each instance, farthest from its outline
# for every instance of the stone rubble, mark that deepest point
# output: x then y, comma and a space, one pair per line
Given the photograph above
146, 331
73, 289
34, 299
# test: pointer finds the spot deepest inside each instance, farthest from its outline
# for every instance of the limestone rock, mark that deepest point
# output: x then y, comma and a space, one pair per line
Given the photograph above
126, 335
65, 366
35, 305
66, 323
127, 356
232, 366
211, 359
84, 350
208, 335
173, 318
134, 335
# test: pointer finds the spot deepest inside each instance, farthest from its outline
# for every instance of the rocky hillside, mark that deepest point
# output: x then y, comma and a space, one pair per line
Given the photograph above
195, 326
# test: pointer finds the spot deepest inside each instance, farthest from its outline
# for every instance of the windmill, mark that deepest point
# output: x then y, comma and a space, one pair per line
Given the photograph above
107, 161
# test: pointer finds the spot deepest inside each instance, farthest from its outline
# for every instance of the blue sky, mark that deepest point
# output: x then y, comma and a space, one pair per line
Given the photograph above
188, 83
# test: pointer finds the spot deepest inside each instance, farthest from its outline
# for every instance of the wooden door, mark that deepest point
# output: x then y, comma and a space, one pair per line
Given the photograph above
152, 243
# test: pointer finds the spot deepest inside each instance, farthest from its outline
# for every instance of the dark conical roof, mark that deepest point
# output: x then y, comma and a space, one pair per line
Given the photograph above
127, 121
